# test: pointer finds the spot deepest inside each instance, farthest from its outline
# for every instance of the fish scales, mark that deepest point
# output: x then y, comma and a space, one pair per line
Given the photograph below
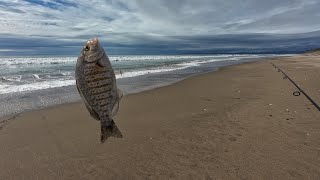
96, 77
96, 84
102, 96
99, 83
103, 103
93, 71
103, 89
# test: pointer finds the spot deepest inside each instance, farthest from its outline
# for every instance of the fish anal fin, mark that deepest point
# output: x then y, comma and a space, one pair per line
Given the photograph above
93, 113
115, 109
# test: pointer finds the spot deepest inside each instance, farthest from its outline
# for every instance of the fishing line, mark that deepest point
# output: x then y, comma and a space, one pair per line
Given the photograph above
310, 112
297, 93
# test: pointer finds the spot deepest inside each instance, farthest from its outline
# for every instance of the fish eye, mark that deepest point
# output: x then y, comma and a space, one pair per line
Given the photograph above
87, 48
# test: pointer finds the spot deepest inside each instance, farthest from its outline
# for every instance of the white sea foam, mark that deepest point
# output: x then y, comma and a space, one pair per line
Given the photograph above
143, 58
64, 60
14, 84
33, 60
66, 73
143, 72
12, 78
4, 89
3, 86
158, 70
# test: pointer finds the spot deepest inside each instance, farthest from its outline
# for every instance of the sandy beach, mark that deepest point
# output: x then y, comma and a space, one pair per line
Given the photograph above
241, 122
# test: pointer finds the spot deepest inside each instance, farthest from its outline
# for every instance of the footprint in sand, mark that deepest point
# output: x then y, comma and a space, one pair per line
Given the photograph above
294, 173
231, 138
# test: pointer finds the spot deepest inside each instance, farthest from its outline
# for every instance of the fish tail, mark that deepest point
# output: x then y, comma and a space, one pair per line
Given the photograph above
109, 130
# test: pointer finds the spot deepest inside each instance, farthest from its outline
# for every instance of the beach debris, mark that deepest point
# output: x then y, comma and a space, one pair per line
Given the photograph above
287, 110
96, 84
270, 104
204, 109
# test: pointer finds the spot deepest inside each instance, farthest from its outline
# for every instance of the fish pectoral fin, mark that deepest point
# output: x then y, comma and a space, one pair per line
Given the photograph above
120, 93
109, 131
77, 86
101, 63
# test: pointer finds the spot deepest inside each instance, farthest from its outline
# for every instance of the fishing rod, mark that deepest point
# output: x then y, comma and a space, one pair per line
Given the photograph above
297, 93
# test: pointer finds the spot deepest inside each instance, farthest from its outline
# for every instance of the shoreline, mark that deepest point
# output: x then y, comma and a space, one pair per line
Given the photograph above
13, 115
4, 121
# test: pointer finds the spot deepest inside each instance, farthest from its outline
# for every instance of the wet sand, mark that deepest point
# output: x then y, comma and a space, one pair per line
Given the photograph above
241, 122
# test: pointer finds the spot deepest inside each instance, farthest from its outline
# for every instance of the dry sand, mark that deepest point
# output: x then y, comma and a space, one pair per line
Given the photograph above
241, 122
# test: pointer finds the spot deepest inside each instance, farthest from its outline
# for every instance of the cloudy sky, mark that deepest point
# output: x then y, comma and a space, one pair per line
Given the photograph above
60, 27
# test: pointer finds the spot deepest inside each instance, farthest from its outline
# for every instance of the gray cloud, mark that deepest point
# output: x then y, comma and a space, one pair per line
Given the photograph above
141, 44
153, 26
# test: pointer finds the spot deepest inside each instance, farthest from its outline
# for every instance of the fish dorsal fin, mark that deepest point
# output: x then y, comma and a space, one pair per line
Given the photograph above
104, 60
101, 63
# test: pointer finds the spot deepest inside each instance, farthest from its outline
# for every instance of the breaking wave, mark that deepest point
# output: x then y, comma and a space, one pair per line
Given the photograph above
59, 71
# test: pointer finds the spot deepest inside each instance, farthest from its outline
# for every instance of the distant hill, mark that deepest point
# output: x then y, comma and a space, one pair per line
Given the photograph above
313, 52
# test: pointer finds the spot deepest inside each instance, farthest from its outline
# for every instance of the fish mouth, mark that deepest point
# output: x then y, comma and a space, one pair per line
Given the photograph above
93, 45
93, 42
92, 50
97, 51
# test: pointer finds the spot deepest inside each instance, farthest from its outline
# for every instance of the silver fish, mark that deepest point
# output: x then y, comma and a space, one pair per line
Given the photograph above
97, 87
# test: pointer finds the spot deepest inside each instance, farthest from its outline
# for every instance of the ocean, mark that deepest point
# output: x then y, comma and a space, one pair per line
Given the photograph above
28, 83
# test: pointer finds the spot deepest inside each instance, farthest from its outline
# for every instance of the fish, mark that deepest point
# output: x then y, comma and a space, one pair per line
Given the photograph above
96, 84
